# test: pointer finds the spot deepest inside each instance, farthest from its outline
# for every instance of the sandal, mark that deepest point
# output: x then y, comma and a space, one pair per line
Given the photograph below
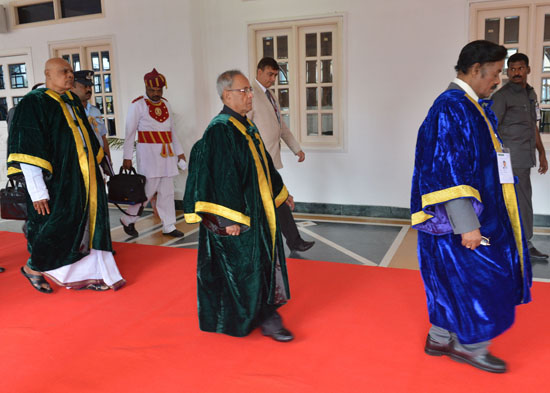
37, 280
95, 287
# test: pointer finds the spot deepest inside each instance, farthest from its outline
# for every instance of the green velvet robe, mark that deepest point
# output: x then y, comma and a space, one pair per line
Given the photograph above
241, 279
43, 133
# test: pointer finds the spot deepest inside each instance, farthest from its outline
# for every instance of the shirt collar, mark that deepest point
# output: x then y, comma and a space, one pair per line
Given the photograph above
261, 86
466, 87
228, 111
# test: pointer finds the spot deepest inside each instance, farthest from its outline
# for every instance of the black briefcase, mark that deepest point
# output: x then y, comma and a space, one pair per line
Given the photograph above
13, 199
127, 187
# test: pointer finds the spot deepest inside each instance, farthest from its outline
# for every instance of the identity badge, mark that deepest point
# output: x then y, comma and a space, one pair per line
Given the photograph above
505, 172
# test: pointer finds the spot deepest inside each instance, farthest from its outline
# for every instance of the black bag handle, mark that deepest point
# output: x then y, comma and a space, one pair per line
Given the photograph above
131, 171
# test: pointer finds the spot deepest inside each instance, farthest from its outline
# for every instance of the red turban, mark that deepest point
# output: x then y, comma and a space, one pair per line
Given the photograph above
154, 79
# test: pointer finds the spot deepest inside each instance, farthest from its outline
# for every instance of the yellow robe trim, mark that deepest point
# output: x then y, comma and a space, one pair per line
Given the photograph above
86, 161
264, 181
14, 171
282, 197
508, 190
442, 196
100, 155
219, 210
32, 160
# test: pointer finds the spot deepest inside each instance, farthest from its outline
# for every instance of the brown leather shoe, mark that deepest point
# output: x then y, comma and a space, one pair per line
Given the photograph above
536, 254
484, 361
434, 348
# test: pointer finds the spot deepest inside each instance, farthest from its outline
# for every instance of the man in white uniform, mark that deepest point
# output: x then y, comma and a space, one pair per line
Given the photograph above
158, 152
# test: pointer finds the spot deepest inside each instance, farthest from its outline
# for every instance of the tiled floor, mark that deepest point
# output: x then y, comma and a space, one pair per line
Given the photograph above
356, 240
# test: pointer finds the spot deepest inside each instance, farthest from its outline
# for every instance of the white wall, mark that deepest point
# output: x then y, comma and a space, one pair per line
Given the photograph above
399, 55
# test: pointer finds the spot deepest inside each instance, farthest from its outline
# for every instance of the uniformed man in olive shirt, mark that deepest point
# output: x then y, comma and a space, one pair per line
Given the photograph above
516, 108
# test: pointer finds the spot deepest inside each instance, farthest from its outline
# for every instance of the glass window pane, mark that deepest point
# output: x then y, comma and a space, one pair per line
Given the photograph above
282, 47
326, 124
106, 62
545, 91
76, 62
311, 98
547, 27
3, 109
35, 12
284, 99
268, 47
326, 44
509, 52
326, 71
492, 29
97, 84
2, 85
311, 71
546, 59
16, 100
80, 7
326, 98
544, 125
312, 124
311, 44
286, 119
109, 108
67, 58
95, 61
511, 30
111, 127
283, 73
107, 83
99, 104
18, 76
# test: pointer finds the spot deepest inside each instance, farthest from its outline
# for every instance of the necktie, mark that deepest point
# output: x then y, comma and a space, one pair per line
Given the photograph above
272, 100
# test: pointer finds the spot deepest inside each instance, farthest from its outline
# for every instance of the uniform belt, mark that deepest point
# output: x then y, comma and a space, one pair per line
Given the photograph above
164, 137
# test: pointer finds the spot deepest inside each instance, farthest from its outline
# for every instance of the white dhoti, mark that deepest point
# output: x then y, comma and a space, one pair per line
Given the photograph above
99, 267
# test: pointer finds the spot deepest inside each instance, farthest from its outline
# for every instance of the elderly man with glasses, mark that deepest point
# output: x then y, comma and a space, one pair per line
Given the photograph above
233, 190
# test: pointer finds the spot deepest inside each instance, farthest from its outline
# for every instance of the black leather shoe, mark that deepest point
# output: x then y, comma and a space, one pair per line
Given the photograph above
303, 246
282, 335
130, 229
485, 361
434, 348
174, 233
536, 254
2, 269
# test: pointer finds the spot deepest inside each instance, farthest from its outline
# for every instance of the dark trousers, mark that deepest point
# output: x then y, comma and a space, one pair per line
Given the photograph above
288, 226
525, 194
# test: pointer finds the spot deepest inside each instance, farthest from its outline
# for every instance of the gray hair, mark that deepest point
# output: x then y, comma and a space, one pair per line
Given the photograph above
225, 81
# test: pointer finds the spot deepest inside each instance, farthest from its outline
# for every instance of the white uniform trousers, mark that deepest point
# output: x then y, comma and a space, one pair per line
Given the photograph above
164, 188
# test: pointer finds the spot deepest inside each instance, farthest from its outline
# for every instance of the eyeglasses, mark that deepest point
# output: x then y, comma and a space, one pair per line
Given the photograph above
246, 90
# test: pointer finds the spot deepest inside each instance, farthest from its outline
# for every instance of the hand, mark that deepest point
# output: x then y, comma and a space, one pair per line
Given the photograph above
472, 239
301, 156
290, 201
182, 157
127, 164
42, 207
543, 167
233, 230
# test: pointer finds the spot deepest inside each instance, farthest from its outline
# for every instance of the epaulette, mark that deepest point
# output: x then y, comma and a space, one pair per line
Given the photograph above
137, 99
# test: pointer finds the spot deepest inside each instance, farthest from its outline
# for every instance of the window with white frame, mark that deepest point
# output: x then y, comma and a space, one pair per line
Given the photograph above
97, 57
26, 12
521, 27
14, 81
309, 86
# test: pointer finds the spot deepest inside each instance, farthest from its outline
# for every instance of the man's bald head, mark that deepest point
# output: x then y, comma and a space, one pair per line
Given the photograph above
59, 75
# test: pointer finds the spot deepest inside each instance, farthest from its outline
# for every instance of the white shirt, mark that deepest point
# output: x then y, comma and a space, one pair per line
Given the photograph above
466, 87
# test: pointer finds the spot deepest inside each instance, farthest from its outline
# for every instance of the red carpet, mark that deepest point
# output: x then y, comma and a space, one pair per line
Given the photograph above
358, 329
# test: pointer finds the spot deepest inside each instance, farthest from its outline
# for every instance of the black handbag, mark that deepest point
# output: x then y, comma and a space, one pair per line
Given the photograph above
128, 188
13, 199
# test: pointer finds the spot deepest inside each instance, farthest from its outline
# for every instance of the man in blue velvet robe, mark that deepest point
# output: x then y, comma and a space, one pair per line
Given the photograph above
233, 189
471, 248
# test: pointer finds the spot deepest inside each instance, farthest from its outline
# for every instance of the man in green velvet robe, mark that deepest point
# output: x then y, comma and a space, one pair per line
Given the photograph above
52, 143
233, 189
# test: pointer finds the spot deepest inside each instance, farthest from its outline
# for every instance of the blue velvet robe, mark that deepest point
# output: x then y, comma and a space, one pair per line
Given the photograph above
471, 293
